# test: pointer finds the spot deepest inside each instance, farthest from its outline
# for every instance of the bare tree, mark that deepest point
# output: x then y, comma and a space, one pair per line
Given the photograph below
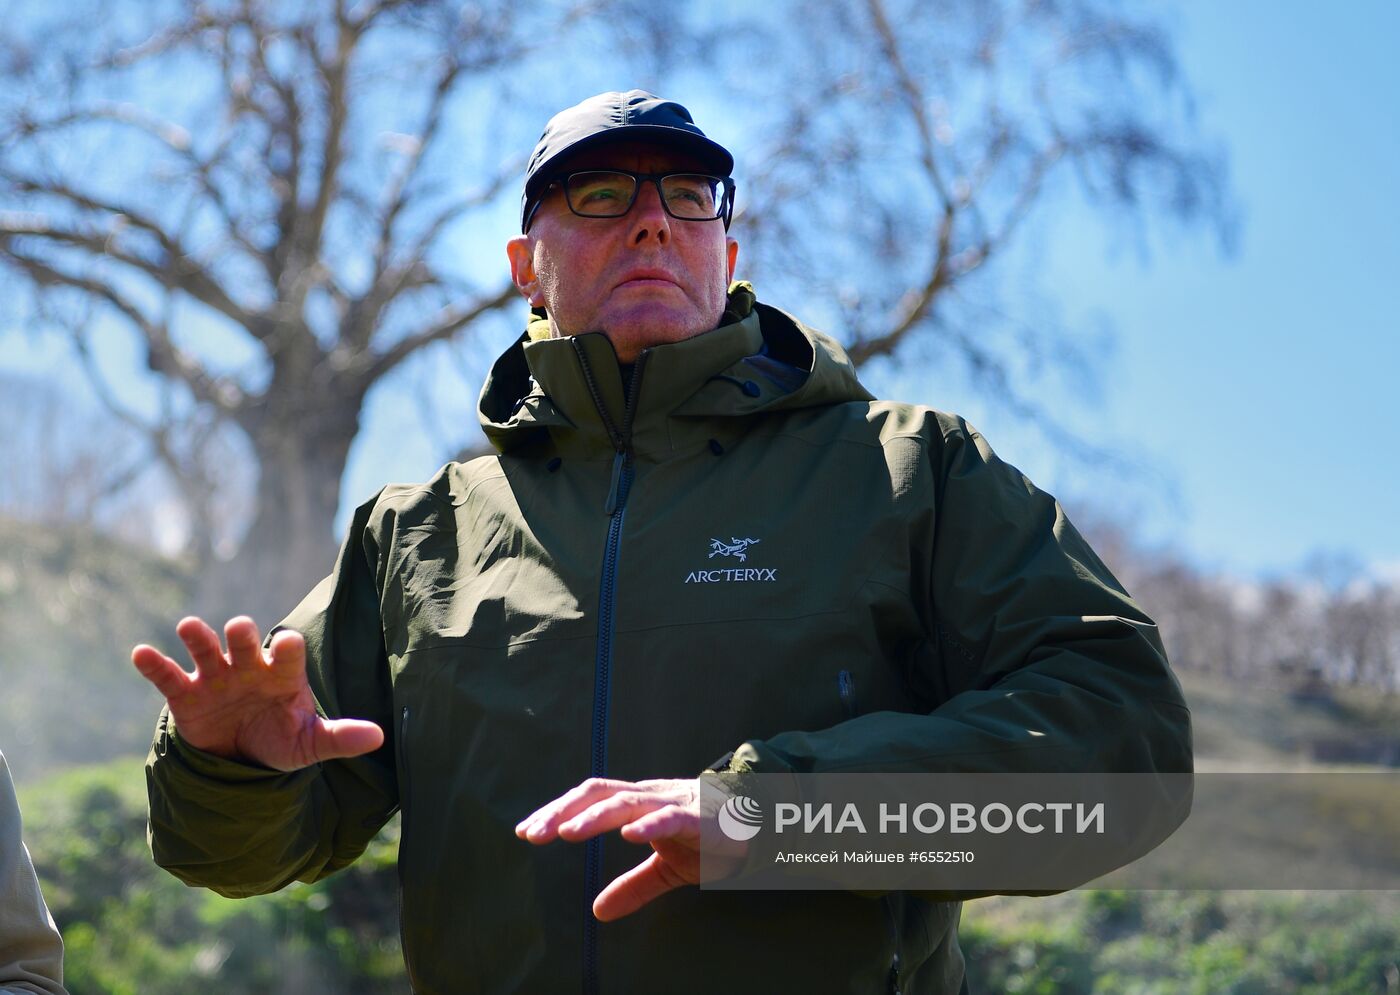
64, 465
204, 179
1327, 623
273, 199
914, 144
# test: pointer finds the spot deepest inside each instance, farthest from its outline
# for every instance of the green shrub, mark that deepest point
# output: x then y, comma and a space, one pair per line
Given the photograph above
129, 927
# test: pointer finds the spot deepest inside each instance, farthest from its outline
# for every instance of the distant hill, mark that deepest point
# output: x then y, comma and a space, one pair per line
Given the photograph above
1260, 726
72, 604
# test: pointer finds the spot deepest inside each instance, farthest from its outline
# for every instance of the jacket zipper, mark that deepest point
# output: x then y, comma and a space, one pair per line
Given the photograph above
616, 507
403, 833
846, 689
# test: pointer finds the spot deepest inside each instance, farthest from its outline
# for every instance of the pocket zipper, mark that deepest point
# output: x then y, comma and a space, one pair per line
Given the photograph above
846, 688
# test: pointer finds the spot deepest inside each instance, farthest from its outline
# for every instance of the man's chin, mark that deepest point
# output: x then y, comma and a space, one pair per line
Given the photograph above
641, 328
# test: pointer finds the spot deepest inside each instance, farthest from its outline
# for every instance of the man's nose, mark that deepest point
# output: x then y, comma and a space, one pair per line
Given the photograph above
648, 216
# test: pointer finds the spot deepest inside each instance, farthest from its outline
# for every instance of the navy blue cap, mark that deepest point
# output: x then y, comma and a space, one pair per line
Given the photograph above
611, 117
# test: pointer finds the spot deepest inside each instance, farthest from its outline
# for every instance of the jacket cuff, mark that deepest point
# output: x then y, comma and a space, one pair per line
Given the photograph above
737, 773
214, 782
201, 763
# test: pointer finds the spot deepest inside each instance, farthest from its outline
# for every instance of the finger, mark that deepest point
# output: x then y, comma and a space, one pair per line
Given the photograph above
202, 643
584, 799
664, 823
628, 892
610, 813
288, 651
169, 678
244, 643
336, 739
540, 826
549, 813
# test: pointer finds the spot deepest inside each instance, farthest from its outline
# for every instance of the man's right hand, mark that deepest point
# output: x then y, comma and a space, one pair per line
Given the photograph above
248, 705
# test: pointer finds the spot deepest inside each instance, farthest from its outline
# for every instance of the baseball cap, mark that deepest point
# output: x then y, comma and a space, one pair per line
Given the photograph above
611, 117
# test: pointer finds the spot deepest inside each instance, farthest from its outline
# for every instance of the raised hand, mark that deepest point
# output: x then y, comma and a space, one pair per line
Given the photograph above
666, 813
248, 705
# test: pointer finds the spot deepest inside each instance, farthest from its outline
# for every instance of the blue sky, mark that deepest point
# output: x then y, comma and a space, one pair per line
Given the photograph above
1266, 383
1258, 384
1261, 384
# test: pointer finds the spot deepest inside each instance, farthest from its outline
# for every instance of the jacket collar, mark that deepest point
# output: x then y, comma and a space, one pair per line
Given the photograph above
595, 414
572, 390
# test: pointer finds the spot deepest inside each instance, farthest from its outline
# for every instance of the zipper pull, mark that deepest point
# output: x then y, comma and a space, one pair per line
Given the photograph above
610, 507
846, 688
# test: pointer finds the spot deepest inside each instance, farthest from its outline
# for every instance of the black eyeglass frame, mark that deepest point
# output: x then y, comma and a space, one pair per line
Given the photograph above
726, 206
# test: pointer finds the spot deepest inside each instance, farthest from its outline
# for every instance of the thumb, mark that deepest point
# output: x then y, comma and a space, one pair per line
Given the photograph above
649, 880
336, 739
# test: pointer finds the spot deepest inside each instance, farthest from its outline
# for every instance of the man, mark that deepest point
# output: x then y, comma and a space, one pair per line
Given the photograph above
31, 951
701, 538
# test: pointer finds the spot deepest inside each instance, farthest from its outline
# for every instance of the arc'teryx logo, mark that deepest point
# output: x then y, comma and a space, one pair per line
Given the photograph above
738, 548
735, 547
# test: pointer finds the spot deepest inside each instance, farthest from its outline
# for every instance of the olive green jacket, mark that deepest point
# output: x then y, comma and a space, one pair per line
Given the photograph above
735, 549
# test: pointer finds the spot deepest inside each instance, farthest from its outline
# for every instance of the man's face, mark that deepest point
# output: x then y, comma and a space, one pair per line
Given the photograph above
643, 279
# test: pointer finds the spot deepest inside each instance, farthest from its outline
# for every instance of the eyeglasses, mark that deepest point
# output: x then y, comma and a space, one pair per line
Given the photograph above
610, 193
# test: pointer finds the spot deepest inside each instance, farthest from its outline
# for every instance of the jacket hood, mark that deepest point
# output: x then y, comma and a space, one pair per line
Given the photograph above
574, 390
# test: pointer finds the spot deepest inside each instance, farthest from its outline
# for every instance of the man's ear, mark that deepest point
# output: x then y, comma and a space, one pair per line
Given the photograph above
521, 253
731, 249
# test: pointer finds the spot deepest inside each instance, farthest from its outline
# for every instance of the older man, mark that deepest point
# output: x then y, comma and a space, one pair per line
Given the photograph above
701, 538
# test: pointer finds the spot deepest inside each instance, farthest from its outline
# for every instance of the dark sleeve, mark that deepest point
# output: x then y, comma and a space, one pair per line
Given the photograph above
1049, 664
243, 829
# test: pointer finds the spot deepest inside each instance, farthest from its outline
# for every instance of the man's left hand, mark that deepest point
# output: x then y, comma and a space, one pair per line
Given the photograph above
664, 813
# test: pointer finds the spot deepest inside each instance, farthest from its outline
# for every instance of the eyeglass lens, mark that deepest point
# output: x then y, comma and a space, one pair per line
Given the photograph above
609, 194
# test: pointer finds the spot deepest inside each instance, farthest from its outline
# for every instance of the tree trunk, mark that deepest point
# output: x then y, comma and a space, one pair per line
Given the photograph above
291, 544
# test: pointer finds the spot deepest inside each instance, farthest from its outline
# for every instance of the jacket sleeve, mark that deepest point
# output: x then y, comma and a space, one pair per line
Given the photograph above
31, 950
243, 829
1042, 662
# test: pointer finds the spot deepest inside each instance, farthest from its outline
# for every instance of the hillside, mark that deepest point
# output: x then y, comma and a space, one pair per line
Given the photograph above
1266, 727
72, 604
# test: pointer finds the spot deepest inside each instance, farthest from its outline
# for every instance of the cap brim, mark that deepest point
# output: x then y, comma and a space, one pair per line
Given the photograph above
711, 155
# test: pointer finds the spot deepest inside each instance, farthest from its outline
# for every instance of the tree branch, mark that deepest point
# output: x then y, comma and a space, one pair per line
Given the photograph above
447, 324
192, 481
916, 305
179, 270
174, 138
162, 356
889, 44
397, 196
334, 75
412, 271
